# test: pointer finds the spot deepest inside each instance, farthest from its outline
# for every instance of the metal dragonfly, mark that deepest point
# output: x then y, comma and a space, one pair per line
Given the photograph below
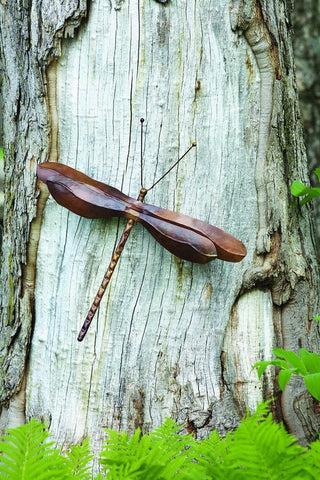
184, 236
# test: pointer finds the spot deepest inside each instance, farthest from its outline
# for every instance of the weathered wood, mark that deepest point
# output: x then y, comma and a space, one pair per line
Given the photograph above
27, 43
171, 336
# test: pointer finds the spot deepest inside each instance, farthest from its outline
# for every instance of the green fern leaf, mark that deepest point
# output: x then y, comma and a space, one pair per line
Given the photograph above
258, 449
27, 455
263, 449
312, 458
173, 448
119, 447
159, 455
78, 458
210, 456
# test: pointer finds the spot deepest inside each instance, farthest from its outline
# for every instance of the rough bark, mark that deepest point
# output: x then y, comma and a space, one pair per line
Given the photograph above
30, 35
307, 58
171, 338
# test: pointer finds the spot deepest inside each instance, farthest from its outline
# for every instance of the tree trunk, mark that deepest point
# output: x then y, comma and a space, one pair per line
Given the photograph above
307, 58
171, 338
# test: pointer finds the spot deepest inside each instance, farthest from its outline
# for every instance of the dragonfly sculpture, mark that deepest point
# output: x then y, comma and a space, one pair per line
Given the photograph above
184, 236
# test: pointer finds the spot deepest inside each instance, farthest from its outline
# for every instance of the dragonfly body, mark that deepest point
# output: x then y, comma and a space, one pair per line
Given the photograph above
184, 236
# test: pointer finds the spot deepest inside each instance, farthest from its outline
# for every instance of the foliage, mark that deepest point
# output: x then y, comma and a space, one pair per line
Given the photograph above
160, 454
26, 454
258, 448
79, 456
1, 153
298, 189
306, 365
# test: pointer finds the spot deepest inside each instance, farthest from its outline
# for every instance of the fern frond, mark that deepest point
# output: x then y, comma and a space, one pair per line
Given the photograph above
175, 449
100, 477
258, 448
78, 458
119, 446
158, 455
119, 455
263, 449
26, 454
209, 455
312, 458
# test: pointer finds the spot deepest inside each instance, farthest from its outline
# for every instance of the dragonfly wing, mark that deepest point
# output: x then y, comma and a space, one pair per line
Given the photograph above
229, 248
61, 171
181, 241
184, 236
189, 238
176, 237
66, 198
80, 193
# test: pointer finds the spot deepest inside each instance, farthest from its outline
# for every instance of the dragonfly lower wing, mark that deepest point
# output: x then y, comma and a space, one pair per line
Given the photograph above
180, 241
195, 232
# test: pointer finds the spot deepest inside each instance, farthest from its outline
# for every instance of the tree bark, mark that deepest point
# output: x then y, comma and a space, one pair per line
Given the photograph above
171, 338
307, 58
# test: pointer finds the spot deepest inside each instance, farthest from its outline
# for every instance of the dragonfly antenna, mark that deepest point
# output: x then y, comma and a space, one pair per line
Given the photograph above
141, 150
193, 144
141, 159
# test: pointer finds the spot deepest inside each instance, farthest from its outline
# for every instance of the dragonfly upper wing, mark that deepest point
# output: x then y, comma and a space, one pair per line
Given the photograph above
81, 194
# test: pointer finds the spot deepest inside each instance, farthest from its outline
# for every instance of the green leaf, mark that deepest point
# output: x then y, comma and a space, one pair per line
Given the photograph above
310, 360
292, 358
284, 377
318, 316
261, 449
261, 366
312, 457
1, 154
314, 192
278, 362
312, 383
317, 172
298, 189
